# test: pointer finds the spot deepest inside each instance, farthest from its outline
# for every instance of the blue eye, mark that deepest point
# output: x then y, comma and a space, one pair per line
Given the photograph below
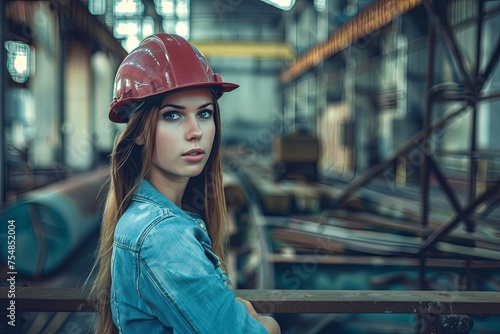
170, 116
205, 114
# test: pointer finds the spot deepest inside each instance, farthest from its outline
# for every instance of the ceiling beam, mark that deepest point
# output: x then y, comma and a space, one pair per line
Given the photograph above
235, 49
367, 21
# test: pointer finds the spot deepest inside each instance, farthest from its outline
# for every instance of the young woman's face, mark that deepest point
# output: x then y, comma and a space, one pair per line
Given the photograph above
185, 133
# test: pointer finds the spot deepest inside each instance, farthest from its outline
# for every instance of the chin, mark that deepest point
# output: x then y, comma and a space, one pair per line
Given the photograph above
192, 173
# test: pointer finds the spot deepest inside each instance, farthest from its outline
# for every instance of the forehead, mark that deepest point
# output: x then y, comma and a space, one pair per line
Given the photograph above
195, 97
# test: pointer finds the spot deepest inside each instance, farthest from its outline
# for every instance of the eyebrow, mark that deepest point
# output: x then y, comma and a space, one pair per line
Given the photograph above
175, 106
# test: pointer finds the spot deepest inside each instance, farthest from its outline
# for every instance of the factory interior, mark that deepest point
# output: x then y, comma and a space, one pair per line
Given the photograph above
359, 152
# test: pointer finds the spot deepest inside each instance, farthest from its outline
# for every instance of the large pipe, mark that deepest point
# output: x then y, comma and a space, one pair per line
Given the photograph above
51, 223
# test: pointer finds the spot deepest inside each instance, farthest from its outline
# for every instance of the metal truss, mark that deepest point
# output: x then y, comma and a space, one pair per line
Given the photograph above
472, 81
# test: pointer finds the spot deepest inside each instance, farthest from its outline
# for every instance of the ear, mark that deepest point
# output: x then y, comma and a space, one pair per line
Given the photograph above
139, 140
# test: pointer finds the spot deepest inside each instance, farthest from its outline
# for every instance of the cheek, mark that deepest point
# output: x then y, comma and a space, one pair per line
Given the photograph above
164, 139
209, 134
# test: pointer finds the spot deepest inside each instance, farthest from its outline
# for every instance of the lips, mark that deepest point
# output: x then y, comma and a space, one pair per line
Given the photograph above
193, 152
194, 155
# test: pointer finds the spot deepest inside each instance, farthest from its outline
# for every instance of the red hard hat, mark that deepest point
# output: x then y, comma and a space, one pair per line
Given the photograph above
161, 63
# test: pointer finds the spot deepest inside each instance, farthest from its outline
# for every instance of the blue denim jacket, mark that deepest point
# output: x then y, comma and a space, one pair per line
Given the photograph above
165, 277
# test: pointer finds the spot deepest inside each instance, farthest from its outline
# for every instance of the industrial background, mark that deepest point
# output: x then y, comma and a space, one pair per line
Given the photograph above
361, 151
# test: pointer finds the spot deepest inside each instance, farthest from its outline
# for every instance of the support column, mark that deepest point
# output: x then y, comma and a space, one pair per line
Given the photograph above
3, 59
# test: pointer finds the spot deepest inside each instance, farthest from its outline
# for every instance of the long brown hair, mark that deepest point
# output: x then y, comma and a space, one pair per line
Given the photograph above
130, 163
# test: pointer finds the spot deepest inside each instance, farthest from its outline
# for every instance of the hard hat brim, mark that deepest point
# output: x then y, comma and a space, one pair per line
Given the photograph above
121, 110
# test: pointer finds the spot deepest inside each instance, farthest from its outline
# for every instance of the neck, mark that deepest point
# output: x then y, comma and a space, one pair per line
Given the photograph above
172, 188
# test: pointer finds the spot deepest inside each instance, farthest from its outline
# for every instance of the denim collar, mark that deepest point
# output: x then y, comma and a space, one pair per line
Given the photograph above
146, 191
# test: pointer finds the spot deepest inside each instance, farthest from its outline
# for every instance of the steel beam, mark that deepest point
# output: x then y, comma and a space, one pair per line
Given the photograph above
443, 28
492, 64
366, 22
429, 81
415, 140
464, 214
3, 78
474, 154
261, 50
445, 185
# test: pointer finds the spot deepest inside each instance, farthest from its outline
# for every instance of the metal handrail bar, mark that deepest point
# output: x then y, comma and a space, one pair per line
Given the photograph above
39, 299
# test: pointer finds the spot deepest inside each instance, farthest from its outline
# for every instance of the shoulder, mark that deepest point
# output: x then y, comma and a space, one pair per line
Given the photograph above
149, 210
147, 224
139, 218
180, 242
179, 233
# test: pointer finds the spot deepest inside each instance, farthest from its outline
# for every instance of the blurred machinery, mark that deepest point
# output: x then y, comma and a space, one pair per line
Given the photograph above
296, 156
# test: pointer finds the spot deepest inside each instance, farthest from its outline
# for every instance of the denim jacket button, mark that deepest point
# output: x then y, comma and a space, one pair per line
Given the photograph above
201, 225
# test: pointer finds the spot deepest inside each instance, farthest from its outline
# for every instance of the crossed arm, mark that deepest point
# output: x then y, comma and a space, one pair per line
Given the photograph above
269, 323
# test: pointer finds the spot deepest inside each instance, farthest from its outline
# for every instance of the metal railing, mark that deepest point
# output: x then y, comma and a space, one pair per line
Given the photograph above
434, 307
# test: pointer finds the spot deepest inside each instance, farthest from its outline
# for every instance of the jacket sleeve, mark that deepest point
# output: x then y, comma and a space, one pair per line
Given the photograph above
182, 286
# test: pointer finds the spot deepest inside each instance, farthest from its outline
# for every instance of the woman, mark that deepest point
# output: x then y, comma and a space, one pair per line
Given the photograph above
161, 254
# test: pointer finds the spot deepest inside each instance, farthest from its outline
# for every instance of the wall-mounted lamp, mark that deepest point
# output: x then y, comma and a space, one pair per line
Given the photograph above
281, 4
18, 60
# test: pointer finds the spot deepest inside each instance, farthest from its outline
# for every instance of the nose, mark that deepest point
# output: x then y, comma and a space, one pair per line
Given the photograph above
193, 131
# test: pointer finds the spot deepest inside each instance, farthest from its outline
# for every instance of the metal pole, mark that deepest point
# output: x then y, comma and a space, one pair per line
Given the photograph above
3, 111
474, 155
424, 172
445, 229
61, 89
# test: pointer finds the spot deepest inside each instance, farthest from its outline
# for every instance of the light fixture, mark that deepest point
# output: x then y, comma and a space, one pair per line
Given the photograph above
18, 60
182, 29
128, 8
130, 43
148, 26
125, 28
320, 5
182, 9
281, 4
97, 7
176, 15
165, 7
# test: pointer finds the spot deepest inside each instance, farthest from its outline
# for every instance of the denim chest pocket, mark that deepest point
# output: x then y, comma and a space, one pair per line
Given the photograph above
216, 262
